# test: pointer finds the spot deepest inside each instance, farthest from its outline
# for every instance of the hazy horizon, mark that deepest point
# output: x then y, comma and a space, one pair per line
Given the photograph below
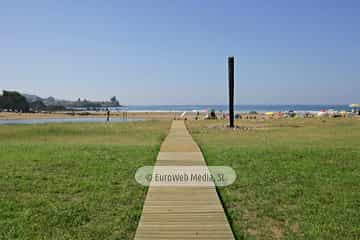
175, 52
214, 104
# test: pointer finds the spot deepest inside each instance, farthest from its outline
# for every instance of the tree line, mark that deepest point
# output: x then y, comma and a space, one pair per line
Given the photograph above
13, 101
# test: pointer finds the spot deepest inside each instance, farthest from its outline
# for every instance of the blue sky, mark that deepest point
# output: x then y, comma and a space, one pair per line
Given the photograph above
174, 52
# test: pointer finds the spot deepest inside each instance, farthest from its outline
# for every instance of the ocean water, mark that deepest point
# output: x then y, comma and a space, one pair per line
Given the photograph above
238, 108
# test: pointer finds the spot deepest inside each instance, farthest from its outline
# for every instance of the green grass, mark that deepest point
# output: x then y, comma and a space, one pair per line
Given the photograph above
296, 179
74, 181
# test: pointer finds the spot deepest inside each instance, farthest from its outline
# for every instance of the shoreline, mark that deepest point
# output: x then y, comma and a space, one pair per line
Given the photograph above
144, 115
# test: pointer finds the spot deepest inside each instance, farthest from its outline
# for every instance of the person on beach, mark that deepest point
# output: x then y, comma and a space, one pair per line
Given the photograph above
107, 115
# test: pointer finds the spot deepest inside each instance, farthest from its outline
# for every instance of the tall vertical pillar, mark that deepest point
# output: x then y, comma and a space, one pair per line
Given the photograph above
231, 90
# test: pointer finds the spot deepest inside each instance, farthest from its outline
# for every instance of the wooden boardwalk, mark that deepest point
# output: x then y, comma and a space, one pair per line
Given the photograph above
182, 212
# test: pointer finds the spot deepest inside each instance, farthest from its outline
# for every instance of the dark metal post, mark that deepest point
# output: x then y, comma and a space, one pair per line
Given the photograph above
231, 90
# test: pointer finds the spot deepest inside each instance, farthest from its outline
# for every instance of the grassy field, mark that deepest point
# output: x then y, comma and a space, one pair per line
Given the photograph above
74, 181
296, 179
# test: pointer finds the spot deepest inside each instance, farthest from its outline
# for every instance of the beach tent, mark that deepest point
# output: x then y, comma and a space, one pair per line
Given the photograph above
322, 114
355, 108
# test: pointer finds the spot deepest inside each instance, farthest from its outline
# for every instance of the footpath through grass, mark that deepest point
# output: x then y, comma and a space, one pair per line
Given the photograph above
74, 180
296, 179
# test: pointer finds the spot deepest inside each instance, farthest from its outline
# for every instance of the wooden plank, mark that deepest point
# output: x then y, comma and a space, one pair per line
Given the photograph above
182, 212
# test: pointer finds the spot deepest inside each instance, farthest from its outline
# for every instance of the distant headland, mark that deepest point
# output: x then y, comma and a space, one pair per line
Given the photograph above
15, 101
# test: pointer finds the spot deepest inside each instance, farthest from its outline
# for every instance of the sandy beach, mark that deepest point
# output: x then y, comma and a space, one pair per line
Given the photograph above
145, 115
